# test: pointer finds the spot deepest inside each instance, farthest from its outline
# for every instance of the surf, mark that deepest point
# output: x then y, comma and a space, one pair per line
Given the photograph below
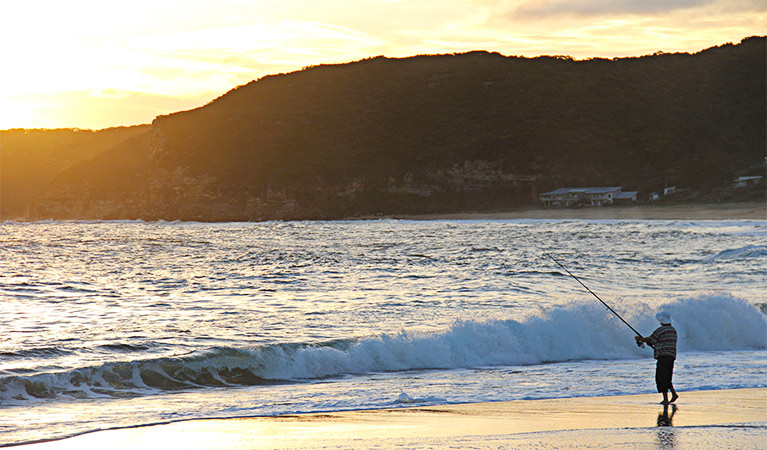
574, 332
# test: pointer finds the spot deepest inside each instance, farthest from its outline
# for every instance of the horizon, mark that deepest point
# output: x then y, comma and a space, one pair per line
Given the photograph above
87, 66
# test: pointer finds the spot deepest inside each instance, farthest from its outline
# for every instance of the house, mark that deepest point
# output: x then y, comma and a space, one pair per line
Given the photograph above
669, 190
593, 196
625, 197
747, 181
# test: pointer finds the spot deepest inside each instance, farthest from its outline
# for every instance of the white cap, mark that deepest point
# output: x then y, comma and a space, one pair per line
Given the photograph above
664, 317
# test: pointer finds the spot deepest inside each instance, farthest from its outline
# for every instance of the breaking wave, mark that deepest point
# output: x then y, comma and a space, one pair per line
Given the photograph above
747, 252
575, 332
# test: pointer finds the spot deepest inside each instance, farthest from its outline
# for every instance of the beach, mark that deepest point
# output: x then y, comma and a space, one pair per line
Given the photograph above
707, 211
379, 334
734, 418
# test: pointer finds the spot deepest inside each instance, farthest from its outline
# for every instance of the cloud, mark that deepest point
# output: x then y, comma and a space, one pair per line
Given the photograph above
618, 28
246, 51
550, 8
198, 49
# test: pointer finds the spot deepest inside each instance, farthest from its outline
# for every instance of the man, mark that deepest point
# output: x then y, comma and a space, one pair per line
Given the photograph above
663, 342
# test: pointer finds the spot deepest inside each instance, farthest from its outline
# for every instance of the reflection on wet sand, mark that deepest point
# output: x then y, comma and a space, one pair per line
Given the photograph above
666, 438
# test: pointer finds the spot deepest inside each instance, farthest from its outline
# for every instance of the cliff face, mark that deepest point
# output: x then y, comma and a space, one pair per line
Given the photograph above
432, 134
179, 193
176, 192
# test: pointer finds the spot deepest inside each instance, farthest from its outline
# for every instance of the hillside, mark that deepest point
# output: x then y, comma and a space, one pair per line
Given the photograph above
31, 159
435, 133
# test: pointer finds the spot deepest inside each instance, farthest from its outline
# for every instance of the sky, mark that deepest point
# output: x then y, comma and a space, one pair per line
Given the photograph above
94, 64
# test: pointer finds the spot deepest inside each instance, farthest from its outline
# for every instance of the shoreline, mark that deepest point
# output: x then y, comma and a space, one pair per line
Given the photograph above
753, 210
707, 419
693, 211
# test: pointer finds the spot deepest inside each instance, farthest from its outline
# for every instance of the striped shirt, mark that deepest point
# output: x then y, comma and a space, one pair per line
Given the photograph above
663, 340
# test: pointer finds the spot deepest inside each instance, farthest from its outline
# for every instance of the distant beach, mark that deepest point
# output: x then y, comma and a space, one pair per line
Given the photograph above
708, 211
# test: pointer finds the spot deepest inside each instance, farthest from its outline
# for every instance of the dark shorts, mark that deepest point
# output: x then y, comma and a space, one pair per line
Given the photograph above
664, 371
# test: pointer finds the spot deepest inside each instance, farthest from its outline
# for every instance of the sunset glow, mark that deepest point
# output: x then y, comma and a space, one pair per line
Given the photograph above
93, 64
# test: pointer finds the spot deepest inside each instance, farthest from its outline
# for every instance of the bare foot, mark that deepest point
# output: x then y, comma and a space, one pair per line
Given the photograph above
673, 398
664, 403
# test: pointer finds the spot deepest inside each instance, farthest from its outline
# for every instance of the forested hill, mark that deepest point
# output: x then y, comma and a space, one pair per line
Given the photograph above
30, 159
440, 133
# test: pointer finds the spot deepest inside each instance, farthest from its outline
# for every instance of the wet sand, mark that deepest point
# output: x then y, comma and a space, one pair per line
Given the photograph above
704, 420
718, 211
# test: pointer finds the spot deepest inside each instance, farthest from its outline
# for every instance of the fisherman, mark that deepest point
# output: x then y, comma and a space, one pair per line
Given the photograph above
663, 342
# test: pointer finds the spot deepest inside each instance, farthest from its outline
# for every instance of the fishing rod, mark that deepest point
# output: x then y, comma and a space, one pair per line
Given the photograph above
595, 295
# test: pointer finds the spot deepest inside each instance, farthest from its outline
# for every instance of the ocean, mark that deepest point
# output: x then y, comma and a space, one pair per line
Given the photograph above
119, 324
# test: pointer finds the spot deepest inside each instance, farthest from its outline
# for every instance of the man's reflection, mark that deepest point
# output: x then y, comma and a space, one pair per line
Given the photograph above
664, 420
665, 433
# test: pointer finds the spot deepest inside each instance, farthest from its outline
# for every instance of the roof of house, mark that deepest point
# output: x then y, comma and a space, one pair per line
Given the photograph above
584, 190
627, 195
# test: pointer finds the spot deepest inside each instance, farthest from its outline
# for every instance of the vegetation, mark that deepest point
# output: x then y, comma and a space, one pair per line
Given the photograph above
31, 159
389, 135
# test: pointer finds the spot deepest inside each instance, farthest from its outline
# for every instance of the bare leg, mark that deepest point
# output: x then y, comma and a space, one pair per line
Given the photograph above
665, 399
673, 395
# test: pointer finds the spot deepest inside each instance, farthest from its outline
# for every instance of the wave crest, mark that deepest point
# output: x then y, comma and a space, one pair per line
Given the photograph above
747, 252
576, 332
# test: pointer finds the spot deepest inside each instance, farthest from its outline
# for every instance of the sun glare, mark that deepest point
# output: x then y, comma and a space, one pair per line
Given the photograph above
60, 57
19, 114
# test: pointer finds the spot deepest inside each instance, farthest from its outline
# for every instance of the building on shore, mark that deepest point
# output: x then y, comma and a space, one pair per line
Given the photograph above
747, 181
586, 196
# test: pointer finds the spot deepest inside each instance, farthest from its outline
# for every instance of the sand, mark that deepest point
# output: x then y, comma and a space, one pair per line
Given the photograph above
703, 420
717, 211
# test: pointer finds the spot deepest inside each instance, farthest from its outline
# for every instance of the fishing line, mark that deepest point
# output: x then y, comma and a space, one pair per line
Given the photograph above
592, 293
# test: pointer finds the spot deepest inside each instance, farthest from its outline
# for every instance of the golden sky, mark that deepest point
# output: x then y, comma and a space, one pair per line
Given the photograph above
100, 63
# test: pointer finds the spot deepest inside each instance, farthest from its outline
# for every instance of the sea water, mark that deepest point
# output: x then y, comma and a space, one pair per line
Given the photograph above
114, 324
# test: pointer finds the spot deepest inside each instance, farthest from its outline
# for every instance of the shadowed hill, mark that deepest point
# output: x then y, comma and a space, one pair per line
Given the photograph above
448, 132
111, 185
31, 158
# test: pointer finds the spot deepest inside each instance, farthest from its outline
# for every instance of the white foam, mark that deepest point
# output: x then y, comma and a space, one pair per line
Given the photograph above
578, 331
575, 332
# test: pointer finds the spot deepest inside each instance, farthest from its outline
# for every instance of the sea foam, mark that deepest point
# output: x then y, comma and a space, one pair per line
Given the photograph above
578, 331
